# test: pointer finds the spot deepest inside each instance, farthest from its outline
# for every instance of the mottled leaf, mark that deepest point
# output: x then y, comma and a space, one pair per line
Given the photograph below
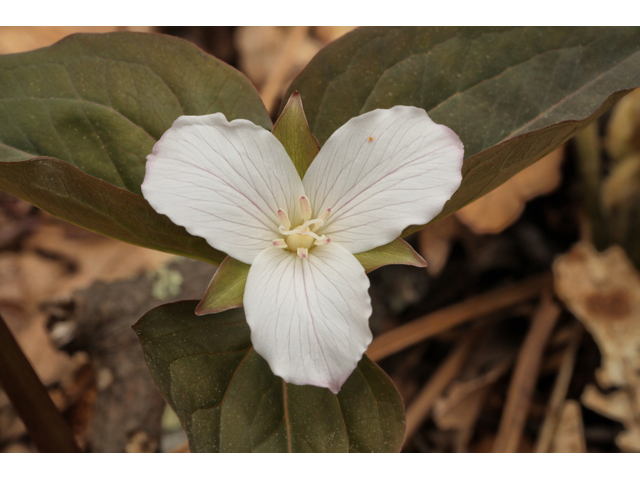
229, 401
512, 94
98, 104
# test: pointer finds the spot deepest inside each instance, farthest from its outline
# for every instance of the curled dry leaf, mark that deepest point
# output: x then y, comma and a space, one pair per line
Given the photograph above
620, 406
603, 291
501, 207
435, 241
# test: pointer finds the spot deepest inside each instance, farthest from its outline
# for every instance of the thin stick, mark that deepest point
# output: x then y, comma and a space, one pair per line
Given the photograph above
559, 392
47, 429
436, 322
278, 74
420, 408
525, 376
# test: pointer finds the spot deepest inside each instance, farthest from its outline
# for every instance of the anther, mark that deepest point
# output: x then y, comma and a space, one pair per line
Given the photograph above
280, 243
303, 252
305, 209
322, 241
325, 215
284, 219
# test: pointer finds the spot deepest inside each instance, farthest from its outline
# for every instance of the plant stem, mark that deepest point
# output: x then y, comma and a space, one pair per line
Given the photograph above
46, 426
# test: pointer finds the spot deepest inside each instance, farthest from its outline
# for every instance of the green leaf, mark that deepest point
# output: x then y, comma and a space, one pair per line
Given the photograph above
64, 191
293, 132
98, 104
511, 94
397, 252
229, 401
226, 289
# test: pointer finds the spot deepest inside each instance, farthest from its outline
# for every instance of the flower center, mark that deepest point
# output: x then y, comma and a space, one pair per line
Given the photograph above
304, 237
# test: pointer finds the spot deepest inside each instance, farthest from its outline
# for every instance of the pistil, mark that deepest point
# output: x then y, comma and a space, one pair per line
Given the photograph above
302, 238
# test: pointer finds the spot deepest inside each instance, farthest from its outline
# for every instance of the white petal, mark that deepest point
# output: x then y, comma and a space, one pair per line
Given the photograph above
381, 172
309, 317
223, 181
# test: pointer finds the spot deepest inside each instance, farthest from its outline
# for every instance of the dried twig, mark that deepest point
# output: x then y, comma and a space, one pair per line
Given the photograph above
419, 409
433, 323
524, 377
559, 392
45, 424
278, 74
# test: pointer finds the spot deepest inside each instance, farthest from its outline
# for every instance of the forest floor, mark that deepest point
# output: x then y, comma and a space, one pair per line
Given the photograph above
519, 336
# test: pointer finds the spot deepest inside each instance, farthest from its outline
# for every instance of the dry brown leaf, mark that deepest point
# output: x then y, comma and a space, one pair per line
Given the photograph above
501, 207
434, 243
459, 407
329, 34
603, 291
90, 256
569, 436
260, 47
619, 406
59, 258
55, 260
421, 406
22, 39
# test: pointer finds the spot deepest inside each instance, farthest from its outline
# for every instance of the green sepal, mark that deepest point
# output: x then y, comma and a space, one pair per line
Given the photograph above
226, 289
293, 132
228, 400
397, 252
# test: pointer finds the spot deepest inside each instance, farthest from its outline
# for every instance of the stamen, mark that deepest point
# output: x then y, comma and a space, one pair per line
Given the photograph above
280, 243
322, 217
322, 241
301, 229
325, 215
303, 252
284, 219
305, 209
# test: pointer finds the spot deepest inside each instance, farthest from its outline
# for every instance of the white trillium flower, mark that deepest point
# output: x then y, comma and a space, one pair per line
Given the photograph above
306, 298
